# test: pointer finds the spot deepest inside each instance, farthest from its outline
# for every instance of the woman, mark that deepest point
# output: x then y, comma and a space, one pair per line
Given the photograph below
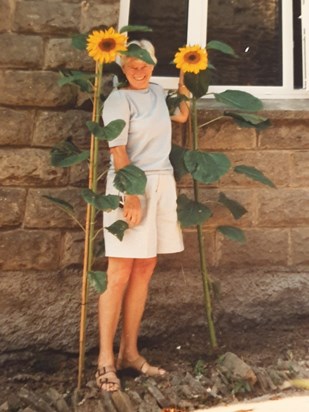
152, 219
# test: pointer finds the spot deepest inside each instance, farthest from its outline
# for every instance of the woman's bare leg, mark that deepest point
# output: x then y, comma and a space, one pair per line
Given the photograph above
133, 306
110, 302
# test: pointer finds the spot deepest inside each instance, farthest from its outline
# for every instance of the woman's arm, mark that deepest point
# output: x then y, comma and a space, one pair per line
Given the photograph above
184, 105
132, 210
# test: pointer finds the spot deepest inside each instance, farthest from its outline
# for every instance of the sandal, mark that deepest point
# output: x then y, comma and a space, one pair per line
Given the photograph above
141, 366
106, 375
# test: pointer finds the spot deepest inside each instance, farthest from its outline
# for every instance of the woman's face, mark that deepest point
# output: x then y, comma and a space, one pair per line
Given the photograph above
137, 72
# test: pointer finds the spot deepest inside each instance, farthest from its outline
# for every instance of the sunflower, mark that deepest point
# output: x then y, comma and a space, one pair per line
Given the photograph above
104, 45
191, 59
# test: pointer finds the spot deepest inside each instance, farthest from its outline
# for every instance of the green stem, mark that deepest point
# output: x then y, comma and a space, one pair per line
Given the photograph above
203, 264
89, 226
211, 121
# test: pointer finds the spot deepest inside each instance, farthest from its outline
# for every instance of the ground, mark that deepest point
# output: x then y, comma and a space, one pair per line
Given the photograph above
280, 346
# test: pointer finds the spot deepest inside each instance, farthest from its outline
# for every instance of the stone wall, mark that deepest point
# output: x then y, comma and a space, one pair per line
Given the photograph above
41, 248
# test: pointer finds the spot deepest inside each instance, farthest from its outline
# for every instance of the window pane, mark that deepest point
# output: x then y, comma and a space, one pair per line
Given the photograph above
169, 21
253, 29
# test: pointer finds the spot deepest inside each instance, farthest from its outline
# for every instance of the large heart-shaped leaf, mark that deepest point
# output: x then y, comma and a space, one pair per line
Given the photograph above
62, 204
118, 228
135, 51
254, 174
249, 120
83, 80
233, 233
79, 41
221, 47
98, 280
177, 160
131, 180
101, 202
132, 27
66, 154
108, 132
206, 167
191, 212
233, 206
239, 99
198, 84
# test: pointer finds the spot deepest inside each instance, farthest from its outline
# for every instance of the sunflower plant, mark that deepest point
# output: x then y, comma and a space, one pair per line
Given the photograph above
209, 167
103, 45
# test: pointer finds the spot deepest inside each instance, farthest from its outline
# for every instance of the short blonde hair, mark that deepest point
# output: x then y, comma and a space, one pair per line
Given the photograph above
145, 45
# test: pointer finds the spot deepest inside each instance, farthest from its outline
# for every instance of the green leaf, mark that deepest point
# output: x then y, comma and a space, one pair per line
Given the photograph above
130, 28
131, 180
239, 99
233, 233
134, 50
98, 280
249, 120
221, 47
118, 228
99, 248
206, 167
62, 204
173, 100
66, 154
101, 202
254, 174
177, 160
80, 79
198, 84
191, 212
79, 41
233, 206
108, 132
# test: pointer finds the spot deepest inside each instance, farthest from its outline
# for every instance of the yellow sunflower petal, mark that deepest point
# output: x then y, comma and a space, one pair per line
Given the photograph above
104, 45
191, 59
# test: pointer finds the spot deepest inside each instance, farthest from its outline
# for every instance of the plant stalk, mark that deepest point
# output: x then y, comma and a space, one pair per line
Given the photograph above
89, 226
201, 243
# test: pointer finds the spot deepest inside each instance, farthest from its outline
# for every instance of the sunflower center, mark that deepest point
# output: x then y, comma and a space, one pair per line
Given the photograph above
106, 45
192, 57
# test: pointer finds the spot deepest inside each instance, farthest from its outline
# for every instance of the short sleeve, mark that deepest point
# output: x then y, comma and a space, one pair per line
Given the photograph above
117, 107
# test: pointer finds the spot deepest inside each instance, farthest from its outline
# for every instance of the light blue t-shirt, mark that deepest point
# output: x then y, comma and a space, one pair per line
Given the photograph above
147, 134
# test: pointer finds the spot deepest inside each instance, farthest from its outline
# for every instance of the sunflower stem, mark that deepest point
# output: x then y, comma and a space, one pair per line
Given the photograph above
210, 121
201, 243
90, 222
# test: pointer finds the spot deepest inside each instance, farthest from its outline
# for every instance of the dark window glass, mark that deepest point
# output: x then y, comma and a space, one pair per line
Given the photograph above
298, 69
168, 20
253, 29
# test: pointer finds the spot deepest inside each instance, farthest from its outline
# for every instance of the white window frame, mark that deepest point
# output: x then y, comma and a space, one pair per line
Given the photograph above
196, 34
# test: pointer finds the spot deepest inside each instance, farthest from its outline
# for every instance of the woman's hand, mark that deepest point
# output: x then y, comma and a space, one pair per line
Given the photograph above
132, 210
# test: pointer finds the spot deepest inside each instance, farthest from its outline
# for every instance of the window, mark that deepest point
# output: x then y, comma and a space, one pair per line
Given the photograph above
271, 38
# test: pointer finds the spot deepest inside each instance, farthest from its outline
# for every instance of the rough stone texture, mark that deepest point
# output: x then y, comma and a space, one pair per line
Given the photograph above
61, 55
12, 206
73, 249
35, 88
5, 12
42, 214
53, 127
21, 51
95, 14
30, 167
46, 17
300, 246
29, 249
15, 126
286, 134
300, 169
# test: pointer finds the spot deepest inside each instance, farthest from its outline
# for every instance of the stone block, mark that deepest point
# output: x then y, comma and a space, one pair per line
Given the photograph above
29, 249
16, 127
60, 54
53, 127
73, 249
12, 206
283, 207
29, 167
274, 165
94, 13
41, 213
34, 88
21, 51
300, 169
225, 135
5, 15
300, 246
286, 134
46, 17
263, 248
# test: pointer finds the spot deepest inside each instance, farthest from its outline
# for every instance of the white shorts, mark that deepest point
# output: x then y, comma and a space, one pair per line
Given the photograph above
159, 230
